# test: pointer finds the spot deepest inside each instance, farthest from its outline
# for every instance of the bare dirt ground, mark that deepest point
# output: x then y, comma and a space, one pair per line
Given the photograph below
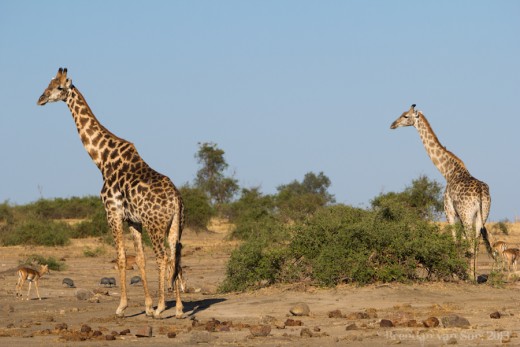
339, 316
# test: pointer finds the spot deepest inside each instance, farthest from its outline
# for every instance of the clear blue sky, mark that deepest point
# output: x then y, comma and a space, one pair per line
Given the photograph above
283, 87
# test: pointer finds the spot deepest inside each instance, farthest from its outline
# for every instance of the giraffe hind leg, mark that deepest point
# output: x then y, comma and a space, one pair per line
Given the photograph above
141, 264
175, 249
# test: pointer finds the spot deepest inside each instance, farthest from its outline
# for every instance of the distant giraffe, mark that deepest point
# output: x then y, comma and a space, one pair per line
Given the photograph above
132, 192
465, 198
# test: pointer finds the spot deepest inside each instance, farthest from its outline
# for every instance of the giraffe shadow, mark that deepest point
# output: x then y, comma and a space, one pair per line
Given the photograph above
191, 308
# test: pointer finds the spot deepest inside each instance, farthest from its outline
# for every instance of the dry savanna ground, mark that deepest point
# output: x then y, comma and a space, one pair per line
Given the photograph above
383, 314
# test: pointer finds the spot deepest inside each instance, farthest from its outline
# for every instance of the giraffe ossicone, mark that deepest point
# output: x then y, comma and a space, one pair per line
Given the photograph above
132, 192
465, 198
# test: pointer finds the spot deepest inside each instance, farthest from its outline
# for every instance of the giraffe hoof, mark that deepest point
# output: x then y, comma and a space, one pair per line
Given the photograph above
157, 315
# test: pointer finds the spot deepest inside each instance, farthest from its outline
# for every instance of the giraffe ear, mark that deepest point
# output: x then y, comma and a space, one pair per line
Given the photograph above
68, 82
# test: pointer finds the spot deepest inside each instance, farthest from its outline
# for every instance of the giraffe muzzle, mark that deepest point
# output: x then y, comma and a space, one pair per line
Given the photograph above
42, 100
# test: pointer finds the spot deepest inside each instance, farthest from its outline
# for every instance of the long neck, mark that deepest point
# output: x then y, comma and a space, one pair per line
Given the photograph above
97, 140
446, 162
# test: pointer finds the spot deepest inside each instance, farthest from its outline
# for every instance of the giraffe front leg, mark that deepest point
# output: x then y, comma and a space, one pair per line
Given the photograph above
116, 224
141, 264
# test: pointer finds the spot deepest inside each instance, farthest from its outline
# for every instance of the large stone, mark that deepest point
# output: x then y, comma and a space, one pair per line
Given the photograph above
84, 294
145, 331
431, 322
454, 321
300, 309
260, 330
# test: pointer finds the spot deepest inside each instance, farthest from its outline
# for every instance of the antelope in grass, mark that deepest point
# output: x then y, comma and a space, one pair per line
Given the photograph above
28, 274
498, 248
510, 256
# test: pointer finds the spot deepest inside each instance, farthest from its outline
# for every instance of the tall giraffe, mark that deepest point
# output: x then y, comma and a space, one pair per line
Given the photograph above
132, 192
465, 197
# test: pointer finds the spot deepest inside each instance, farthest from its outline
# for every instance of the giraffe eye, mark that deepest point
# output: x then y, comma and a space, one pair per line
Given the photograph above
60, 88
406, 116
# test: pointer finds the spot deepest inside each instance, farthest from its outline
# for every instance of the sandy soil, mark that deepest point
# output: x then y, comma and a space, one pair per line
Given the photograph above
339, 316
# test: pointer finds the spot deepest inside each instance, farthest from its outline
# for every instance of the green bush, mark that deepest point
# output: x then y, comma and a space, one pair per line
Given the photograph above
197, 207
298, 200
392, 241
60, 208
255, 263
94, 226
36, 231
251, 213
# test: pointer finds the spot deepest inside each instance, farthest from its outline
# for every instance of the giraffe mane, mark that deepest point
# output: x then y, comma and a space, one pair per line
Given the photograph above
436, 139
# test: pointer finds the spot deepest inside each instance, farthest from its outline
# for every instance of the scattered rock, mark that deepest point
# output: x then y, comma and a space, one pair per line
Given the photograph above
85, 329
171, 334
371, 312
145, 331
316, 329
95, 299
110, 337
212, 324
305, 332
61, 326
386, 323
293, 323
351, 326
454, 321
100, 291
431, 322
300, 309
495, 315
97, 333
83, 294
401, 318
357, 315
125, 332
260, 330
335, 314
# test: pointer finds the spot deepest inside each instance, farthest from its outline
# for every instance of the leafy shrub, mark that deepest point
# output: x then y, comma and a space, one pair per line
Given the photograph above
392, 241
96, 225
60, 208
298, 200
423, 197
251, 213
197, 207
36, 231
256, 262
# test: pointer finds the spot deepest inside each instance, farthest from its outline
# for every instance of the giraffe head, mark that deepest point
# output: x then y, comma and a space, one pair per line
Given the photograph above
407, 119
58, 88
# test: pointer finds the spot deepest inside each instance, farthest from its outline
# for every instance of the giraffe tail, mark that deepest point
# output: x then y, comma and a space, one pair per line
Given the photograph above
485, 236
483, 230
176, 248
